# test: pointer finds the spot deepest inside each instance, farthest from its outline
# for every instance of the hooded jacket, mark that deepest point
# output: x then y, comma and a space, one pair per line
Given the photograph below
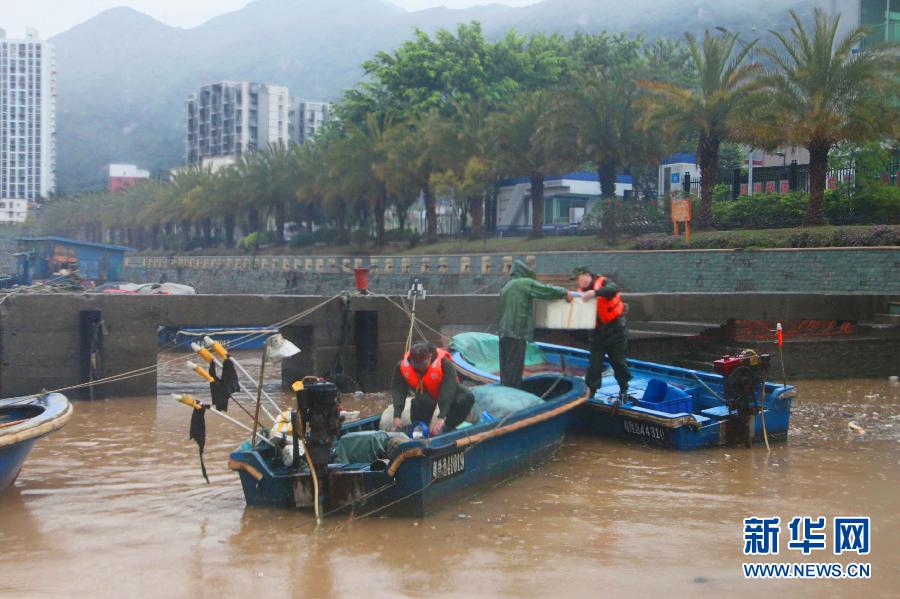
516, 301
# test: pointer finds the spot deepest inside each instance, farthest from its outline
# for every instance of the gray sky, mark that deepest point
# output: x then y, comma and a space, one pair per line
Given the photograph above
50, 17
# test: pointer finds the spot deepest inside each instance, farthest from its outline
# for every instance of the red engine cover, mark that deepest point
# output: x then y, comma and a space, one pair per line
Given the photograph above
726, 364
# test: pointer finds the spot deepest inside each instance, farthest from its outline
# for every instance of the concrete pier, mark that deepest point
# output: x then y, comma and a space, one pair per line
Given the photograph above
41, 342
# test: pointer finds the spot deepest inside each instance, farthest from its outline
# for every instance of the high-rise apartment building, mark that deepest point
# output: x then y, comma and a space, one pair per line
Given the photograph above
232, 118
307, 118
27, 123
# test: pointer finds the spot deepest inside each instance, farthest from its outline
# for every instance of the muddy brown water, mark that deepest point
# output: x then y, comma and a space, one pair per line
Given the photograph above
114, 505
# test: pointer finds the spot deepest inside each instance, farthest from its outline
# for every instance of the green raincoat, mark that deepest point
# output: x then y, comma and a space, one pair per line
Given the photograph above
517, 305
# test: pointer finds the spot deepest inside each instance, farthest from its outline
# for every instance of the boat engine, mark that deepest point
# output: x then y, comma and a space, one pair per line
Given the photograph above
743, 375
319, 409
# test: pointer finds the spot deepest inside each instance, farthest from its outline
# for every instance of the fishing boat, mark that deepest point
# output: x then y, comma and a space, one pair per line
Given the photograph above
24, 420
669, 407
231, 337
416, 475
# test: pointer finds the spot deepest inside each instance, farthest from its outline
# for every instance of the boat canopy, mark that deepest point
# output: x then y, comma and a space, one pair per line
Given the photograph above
482, 350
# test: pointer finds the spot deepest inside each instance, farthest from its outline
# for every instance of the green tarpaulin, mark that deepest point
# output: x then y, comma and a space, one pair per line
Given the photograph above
482, 350
500, 402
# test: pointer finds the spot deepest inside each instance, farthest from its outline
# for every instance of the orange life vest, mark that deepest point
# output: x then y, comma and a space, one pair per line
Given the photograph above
431, 382
608, 309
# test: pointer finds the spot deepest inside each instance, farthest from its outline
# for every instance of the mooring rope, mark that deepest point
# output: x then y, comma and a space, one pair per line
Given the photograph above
138, 372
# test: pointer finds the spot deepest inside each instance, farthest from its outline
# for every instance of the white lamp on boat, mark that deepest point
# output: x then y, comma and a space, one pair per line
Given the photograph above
280, 348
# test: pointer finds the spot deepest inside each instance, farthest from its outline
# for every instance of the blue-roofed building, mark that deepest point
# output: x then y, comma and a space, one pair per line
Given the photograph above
674, 169
42, 257
567, 198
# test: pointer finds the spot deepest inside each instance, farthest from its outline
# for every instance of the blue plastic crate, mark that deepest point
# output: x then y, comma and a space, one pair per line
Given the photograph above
663, 397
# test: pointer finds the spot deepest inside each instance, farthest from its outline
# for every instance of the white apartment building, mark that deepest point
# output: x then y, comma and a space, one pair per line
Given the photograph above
231, 118
307, 117
27, 123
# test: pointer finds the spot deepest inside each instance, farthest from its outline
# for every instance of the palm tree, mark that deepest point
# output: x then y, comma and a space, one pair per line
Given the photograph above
526, 146
229, 199
710, 109
601, 112
283, 179
403, 177
822, 92
462, 143
253, 175
366, 168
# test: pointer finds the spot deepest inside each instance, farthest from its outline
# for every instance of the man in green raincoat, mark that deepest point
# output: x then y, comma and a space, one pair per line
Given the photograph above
517, 319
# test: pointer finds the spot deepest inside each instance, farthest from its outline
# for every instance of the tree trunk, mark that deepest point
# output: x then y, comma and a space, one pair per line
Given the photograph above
818, 171
401, 216
229, 230
341, 220
279, 223
463, 216
537, 206
476, 208
206, 224
430, 216
252, 220
606, 172
380, 207
186, 230
708, 156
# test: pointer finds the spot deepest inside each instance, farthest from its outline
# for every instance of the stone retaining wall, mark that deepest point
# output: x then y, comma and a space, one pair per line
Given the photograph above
835, 270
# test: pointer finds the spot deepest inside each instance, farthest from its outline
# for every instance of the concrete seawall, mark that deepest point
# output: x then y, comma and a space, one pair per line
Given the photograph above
42, 346
835, 270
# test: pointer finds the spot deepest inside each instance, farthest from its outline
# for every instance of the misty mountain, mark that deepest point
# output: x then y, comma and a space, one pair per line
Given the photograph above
123, 77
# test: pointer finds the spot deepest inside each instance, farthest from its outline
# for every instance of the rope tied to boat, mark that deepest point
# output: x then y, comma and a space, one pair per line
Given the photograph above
144, 371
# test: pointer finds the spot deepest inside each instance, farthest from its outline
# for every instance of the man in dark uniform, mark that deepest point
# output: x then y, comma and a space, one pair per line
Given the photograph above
610, 337
429, 373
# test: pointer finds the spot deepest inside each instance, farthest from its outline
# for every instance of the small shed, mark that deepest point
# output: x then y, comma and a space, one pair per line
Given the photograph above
41, 257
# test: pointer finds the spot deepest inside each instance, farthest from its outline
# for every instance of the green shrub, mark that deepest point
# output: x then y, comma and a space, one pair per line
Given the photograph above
721, 192
252, 242
397, 235
360, 237
868, 204
324, 235
761, 210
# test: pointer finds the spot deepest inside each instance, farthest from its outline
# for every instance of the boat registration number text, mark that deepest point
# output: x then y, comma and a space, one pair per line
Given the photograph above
642, 429
448, 465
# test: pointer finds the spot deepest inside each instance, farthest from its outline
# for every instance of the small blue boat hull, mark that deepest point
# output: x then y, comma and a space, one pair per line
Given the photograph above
435, 472
11, 460
25, 420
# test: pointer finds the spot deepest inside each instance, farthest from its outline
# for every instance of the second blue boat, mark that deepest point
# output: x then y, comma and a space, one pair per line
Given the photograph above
670, 407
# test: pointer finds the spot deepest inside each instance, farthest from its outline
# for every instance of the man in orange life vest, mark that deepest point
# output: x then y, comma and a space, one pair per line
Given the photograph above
610, 336
429, 373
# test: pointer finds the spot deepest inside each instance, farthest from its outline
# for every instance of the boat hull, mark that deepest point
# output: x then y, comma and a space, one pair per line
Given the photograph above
710, 426
11, 460
424, 476
23, 421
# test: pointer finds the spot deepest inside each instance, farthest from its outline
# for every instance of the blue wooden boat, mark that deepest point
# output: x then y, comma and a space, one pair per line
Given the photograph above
231, 337
24, 420
671, 407
421, 474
